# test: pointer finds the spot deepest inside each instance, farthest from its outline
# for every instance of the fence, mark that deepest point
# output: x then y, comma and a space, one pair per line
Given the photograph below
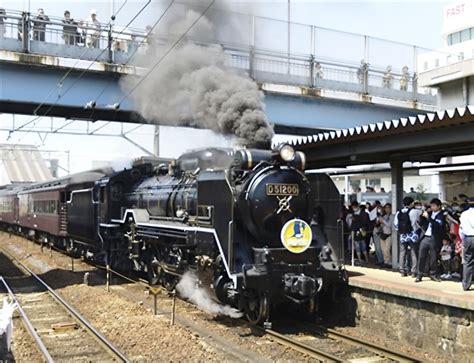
309, 55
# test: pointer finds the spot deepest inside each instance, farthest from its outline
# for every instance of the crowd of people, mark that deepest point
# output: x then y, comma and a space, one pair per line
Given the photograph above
436, 239
74, 32
387, 78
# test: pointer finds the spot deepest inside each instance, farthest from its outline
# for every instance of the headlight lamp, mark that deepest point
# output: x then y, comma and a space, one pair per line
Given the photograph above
287, 153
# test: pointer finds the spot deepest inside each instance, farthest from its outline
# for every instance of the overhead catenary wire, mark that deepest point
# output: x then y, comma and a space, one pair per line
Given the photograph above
64, 77
173, 46
137, 48
50, 108
95, 60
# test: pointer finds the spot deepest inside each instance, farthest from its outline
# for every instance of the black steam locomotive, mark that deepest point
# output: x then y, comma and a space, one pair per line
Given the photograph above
251, 226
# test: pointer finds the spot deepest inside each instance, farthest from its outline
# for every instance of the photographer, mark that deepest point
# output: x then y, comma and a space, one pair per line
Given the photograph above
434, 225
358, 222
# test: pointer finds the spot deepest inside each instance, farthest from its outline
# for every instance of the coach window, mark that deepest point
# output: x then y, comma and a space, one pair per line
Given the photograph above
54, 208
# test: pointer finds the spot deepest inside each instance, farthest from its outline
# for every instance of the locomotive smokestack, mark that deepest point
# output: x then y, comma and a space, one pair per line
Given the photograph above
192, 86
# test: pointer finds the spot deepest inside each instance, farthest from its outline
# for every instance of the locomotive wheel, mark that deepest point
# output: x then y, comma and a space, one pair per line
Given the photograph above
257, 308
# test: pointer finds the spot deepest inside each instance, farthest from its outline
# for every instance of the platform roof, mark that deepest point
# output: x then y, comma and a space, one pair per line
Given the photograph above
22, 163
427, 137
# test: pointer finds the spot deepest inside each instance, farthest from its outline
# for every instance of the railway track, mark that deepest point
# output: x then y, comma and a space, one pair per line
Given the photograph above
367, 351
364, 347
372, 347
59, 331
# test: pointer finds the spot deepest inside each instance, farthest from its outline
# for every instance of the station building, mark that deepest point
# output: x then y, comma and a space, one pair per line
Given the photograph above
450, 70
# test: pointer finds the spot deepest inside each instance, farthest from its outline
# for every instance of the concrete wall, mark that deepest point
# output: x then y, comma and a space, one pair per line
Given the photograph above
456, 93
450, 95
444, 330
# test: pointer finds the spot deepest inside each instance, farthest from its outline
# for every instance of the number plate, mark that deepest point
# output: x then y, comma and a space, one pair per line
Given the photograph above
282, 189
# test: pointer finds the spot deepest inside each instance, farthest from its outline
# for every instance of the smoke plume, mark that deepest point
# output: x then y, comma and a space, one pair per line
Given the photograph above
192, 86
188, 288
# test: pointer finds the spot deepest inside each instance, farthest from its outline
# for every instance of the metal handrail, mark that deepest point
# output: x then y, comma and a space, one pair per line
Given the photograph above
251, 58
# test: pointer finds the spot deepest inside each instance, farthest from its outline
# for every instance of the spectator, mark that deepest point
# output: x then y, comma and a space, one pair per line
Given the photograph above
93, 30
467, 236
387, 77
70, 34
386, 221
464, 200
39, 25
382, 190
361, 71
375, 212
133, 45
376, 240
446, 254
358, 222
406, 222
404, 79
3, 16
318, 70
434, 225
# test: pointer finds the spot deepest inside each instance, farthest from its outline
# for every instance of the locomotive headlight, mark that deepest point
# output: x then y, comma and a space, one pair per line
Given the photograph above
287, 153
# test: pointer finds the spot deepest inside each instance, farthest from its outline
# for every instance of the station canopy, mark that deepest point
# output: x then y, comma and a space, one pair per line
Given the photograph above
423, 138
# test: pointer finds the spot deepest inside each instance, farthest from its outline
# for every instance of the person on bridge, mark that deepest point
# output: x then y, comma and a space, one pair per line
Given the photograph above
404, 79
361, 71
388, 77
70, 34
434, 225
318, 70
39, 25
93, 30
3, 16
466, 231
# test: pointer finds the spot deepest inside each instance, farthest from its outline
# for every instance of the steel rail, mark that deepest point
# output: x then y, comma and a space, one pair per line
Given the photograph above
377, 349
302, 347
28, 324
98, 335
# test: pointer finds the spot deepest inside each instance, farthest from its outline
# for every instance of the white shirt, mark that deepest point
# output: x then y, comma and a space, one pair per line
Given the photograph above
466, 227
428, 231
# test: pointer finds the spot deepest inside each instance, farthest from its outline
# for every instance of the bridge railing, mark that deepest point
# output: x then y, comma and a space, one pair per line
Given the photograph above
20, 31
316, 63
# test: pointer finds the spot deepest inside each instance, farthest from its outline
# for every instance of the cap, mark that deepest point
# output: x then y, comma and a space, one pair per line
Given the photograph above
93, 12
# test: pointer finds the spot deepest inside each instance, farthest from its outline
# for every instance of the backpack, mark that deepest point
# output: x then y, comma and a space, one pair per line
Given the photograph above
404, 222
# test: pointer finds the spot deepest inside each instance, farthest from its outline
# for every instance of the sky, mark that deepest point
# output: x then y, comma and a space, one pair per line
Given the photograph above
402, 21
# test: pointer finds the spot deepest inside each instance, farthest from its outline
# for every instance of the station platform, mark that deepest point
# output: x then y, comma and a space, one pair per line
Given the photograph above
447, 293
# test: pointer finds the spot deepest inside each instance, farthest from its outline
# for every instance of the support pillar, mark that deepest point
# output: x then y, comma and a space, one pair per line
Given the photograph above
397, 197
156, 141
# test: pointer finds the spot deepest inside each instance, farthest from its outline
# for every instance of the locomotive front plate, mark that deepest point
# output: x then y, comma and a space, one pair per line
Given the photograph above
282, 190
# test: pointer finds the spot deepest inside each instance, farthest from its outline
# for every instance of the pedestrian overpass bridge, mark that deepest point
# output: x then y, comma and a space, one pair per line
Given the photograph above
303, 91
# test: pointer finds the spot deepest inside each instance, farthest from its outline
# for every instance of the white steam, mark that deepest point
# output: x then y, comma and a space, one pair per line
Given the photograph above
189, 289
